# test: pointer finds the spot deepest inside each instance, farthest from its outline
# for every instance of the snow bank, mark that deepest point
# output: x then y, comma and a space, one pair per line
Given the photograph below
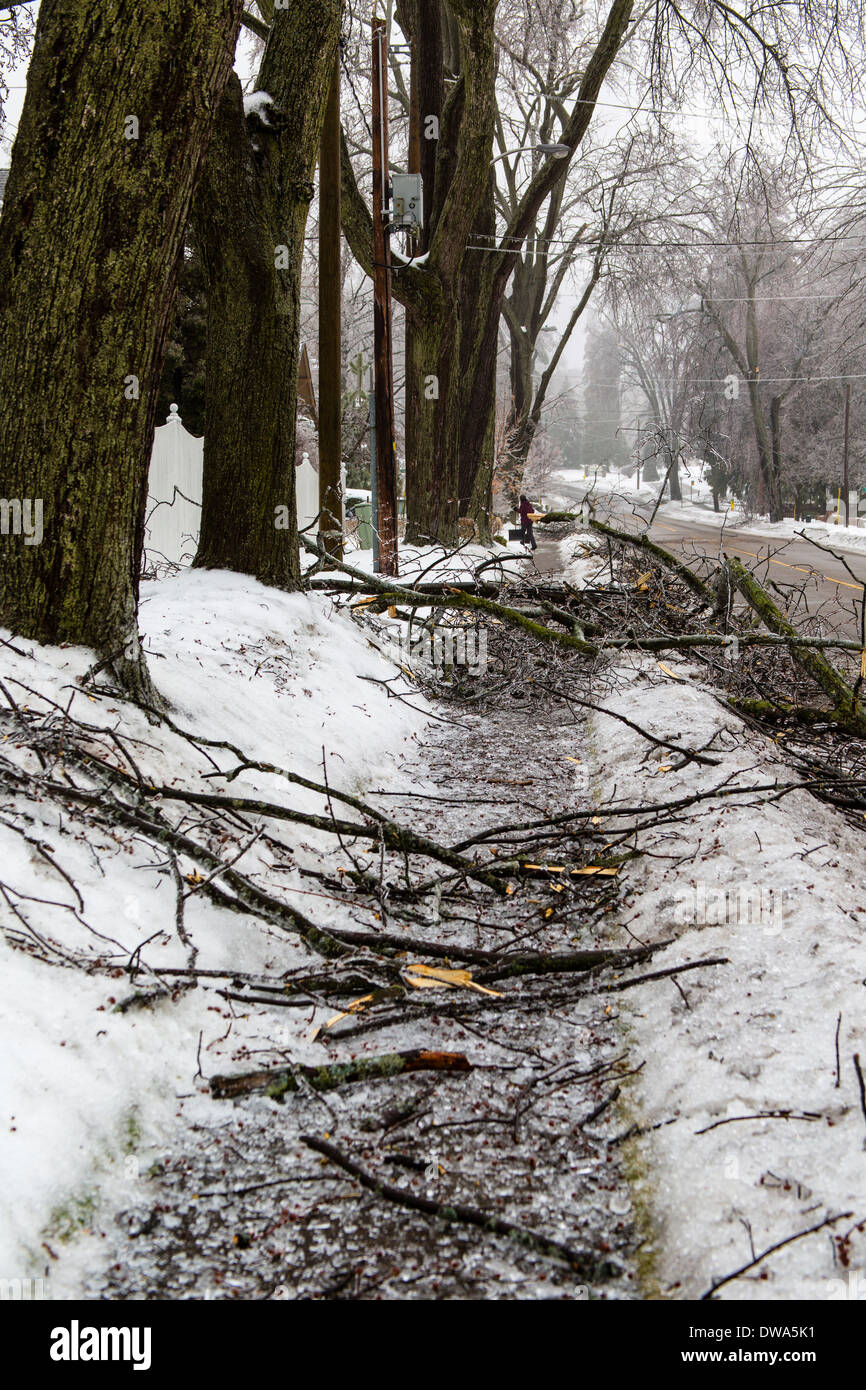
90, 1096
826, 532
779, 890
436, 564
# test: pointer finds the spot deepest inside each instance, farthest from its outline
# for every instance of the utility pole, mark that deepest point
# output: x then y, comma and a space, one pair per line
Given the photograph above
412, 388
845, 488
330, 329
383, 350
374, 491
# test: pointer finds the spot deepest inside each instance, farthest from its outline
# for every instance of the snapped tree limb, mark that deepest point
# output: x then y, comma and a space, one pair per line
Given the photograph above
278, 1082
847, 710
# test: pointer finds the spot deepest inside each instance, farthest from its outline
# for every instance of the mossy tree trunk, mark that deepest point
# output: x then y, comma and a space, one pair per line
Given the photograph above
250, 218
439, 339
428, 33
119, 108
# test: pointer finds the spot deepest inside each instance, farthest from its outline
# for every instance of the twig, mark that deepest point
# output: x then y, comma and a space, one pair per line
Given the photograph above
601, 1107
789, 1240
859, 1072
664, 974
763, 1115
585, 1263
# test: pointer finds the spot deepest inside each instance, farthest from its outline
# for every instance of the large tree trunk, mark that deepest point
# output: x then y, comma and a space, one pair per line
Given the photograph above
769, 477
771, 482
431, 476
776, 451
250, 217
119, 108
436, 305
673, 473
249, 441
477, 442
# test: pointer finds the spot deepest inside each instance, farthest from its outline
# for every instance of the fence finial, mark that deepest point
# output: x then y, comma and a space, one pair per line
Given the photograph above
173, 414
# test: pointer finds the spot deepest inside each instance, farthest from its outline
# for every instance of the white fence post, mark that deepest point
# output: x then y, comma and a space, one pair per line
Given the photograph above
173, 514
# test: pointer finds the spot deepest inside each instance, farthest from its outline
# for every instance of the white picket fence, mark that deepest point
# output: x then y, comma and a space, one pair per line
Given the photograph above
173, 517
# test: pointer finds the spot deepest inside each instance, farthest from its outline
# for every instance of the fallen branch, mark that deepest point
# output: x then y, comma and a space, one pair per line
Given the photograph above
395, 836
847, 710
473, 602
389, 594
643, 542
499, 967
279, 1081
249, 896
567, 962
585, 1263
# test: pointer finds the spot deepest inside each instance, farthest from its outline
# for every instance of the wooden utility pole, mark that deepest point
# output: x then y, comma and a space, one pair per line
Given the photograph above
411, 389
845, 488
330, 329
383, 350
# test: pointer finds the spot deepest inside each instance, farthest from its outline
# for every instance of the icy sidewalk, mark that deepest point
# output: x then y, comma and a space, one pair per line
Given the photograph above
778, 887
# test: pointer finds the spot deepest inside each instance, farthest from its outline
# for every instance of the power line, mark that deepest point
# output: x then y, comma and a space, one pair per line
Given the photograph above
614, 242
764, 298
725, 380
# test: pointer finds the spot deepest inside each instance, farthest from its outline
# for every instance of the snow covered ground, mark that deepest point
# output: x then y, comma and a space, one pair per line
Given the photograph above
778, 888
88, 1094
434, 564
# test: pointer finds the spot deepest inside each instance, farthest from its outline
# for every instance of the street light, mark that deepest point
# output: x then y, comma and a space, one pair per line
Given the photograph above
554, 151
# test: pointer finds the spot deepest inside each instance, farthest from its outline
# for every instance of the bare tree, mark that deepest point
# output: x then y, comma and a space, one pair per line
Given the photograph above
454, 299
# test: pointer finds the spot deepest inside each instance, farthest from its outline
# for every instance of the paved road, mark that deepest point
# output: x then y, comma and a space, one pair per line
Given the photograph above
786, 563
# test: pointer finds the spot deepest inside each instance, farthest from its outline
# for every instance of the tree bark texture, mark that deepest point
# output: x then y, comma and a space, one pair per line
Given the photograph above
250, 217
119, 108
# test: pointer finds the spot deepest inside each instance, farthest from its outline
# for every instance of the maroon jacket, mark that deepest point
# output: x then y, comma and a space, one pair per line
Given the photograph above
525, 509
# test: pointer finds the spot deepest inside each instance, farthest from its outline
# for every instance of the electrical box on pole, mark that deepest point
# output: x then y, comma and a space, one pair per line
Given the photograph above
407, 208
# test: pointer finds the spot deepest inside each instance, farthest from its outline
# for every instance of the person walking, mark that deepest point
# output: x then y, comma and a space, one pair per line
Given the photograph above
527, 510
